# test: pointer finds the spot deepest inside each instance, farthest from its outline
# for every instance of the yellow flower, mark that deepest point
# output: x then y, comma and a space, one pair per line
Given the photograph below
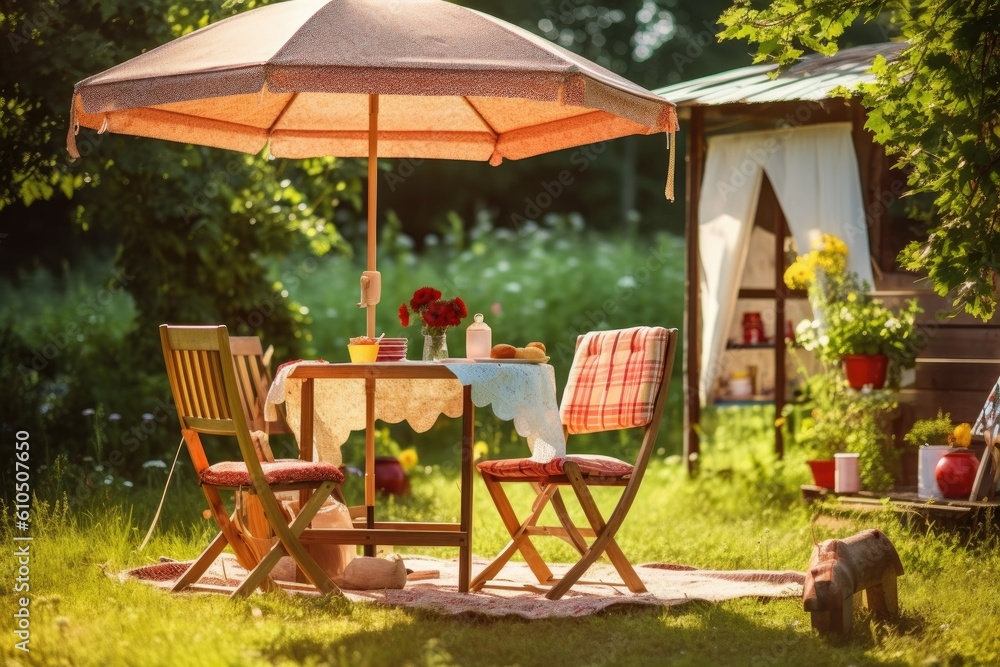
829, 254
799, 275
831, 263
832, 245
961, 436
480, 450
408, 458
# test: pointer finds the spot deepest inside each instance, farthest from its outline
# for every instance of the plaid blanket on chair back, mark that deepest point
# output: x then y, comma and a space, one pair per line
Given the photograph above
614, 378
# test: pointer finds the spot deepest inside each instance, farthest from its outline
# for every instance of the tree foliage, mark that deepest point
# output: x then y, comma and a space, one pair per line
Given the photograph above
935, 107
193, 226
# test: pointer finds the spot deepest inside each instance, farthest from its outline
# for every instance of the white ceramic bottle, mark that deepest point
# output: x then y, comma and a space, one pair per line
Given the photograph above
478, 339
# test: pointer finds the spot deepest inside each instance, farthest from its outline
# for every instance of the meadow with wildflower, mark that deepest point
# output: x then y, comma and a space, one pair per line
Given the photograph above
750, 500
82, 616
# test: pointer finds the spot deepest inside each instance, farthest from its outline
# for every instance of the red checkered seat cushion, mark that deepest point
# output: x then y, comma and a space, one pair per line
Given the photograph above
282, 471
591, 465
614, 379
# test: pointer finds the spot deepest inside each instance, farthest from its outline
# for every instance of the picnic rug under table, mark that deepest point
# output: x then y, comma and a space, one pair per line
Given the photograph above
432, 585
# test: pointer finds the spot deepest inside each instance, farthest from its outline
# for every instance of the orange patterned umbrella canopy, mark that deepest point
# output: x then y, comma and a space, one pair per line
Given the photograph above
367, 78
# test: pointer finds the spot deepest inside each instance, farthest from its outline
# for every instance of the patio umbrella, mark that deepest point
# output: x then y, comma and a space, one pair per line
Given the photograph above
368, 78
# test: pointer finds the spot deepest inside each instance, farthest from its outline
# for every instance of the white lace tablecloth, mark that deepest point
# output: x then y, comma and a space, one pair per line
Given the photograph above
522, 393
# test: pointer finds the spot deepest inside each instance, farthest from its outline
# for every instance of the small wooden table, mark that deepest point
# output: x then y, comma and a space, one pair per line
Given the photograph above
396, 532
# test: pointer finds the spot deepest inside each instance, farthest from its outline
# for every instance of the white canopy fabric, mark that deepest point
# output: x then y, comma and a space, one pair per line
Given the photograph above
814, 173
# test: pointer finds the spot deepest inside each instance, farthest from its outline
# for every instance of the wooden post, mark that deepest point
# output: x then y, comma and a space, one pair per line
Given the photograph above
372, 199
692, 284
307, 415
465, 520
779, 327
370, 459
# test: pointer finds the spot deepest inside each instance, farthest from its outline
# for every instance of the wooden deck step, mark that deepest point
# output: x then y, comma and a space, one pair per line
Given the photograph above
951, 513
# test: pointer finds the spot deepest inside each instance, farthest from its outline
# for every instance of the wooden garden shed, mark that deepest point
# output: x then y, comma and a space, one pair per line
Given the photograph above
771, 163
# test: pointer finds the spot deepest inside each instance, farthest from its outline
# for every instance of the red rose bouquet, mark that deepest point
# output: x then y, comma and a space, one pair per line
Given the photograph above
436, 314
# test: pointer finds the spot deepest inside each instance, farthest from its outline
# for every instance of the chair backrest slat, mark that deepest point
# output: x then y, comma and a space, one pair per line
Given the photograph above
246, 383
185, 363
254, 380
217, 386
194, 365
198, 385
175, 376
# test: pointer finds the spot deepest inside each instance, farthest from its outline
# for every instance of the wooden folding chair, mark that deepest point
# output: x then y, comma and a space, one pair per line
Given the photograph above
618, 380
205, 389
253, 377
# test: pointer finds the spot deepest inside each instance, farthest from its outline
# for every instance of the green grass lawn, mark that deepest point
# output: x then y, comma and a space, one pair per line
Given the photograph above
742, 513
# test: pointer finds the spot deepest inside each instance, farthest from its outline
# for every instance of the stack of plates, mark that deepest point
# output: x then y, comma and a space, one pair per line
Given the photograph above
392, 349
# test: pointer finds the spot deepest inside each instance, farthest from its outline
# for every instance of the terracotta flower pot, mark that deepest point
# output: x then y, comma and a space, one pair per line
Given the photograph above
862, 369
823, 472
390, 476
956, 473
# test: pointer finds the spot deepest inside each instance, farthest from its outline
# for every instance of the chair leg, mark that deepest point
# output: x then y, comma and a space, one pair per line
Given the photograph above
207, 557
288, 542
604, 542
518, 533
574, 536
244, 555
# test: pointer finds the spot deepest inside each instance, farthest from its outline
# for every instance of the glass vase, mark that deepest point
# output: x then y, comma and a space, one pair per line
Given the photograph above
435, 347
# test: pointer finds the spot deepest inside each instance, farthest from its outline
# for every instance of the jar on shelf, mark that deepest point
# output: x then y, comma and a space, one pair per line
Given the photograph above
753, 329
740, 385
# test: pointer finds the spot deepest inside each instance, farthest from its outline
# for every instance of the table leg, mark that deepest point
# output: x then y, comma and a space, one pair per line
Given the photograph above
306, 431
370, 459
306, 449
306, 414
468, 437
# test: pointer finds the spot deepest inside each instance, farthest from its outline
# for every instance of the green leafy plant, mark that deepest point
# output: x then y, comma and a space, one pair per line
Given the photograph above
934, 107
843, 420
934, 431
850, 320
821, 434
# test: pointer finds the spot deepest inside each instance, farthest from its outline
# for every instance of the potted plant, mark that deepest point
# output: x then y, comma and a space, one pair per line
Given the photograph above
934, 431
820, 434
871, 342
392, 471
842, 420
927, 440
955, 473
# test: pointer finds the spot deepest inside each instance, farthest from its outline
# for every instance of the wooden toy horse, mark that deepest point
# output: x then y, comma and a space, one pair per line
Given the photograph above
864, 565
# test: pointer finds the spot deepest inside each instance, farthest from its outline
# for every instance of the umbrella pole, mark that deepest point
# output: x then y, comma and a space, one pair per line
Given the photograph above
372, 203
370, 301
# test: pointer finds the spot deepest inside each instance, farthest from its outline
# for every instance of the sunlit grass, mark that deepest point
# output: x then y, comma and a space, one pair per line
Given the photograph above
732, 517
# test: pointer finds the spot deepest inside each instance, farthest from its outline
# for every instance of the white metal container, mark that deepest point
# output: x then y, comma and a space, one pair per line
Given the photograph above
847, 473
927, 487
